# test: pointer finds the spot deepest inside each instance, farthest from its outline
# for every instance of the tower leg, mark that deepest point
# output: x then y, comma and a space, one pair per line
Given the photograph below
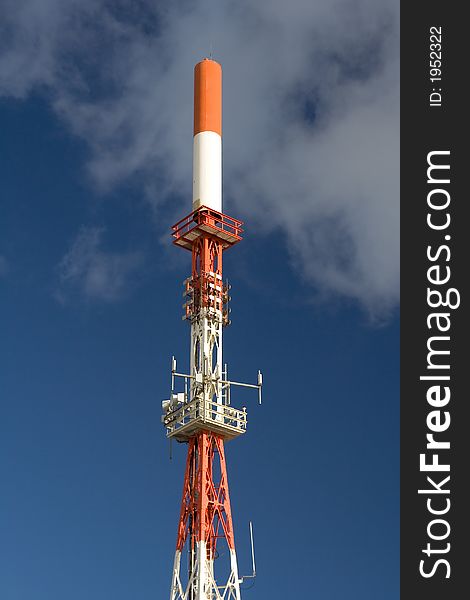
205, 526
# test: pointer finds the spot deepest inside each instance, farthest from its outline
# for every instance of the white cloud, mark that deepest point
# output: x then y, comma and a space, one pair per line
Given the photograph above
310, 115
90, 272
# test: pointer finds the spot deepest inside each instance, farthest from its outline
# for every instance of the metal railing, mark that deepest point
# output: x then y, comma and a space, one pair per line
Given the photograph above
208, 412
208, 219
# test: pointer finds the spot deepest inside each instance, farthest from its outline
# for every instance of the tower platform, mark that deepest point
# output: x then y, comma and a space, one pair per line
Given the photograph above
203, 415
206, 220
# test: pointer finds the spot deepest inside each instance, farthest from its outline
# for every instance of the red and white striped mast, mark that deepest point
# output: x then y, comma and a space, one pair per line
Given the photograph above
201, 414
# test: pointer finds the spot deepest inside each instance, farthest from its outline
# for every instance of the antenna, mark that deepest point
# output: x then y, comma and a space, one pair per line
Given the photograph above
252, 550
253, 565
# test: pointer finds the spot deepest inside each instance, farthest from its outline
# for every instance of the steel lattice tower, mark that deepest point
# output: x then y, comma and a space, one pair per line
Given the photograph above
201, 415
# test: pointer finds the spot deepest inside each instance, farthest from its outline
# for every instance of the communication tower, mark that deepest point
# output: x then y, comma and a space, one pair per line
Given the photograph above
199, 410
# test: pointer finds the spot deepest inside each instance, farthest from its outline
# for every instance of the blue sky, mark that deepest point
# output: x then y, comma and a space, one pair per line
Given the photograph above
91, 314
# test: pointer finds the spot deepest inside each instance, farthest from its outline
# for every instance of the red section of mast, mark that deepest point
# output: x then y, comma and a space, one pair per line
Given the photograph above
205, 507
